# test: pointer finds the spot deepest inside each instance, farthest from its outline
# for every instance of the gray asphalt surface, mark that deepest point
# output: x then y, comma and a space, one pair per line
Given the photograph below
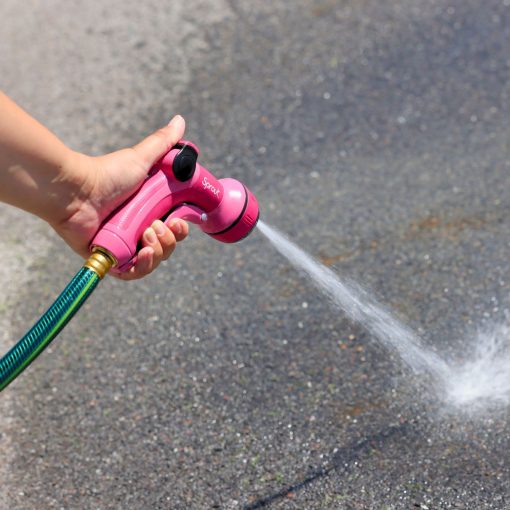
376, 135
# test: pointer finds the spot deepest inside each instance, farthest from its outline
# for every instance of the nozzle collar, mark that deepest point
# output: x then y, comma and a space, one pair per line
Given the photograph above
100, 261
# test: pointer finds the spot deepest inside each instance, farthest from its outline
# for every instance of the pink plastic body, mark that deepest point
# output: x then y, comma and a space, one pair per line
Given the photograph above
224, 209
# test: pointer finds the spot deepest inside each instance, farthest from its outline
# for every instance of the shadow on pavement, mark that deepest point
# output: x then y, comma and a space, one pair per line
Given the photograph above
341, 458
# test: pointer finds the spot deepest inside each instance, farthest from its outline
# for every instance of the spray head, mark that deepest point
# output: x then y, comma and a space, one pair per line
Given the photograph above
179, 187
225, 208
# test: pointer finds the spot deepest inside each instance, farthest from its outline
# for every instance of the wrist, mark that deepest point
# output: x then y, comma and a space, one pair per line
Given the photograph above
61, 188
69, 187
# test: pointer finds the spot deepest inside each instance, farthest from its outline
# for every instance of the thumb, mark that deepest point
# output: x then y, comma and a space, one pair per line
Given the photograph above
160, 142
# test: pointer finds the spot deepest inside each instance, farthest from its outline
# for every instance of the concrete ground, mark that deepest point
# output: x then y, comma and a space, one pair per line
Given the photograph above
376, 135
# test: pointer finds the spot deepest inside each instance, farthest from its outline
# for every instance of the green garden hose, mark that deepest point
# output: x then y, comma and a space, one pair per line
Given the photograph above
55, 318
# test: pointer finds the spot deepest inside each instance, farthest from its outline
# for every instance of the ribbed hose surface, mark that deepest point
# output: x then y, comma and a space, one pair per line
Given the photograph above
48, 326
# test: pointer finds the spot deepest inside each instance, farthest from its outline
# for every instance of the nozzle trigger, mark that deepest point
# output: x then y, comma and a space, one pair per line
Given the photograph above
189, 213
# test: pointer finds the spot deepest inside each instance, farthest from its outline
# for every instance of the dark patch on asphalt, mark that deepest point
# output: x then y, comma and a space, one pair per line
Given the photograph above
447, 225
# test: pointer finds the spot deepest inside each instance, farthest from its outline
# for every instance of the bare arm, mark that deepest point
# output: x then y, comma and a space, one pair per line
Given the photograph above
33, 163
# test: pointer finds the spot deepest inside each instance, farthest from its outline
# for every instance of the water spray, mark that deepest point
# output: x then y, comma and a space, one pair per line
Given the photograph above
176, 187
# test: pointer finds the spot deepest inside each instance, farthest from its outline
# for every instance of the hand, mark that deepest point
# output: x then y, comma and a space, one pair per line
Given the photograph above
107, 181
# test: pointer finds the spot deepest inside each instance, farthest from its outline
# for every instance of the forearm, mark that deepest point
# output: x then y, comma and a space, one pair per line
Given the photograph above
35, 166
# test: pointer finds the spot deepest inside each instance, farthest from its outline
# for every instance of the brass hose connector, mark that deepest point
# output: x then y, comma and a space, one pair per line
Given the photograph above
100, 261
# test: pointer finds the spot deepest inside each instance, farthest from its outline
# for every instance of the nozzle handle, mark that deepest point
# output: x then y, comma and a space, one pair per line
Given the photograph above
122, 231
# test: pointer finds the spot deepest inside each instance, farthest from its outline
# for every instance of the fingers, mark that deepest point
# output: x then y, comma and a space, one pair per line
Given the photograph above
160, 142
179, 228
158, 243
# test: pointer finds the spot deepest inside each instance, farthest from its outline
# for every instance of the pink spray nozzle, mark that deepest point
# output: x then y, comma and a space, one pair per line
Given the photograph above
239, 224
178, 187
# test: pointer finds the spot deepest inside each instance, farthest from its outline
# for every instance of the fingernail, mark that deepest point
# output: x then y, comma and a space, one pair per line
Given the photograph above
176, 121
159, 228
150, 236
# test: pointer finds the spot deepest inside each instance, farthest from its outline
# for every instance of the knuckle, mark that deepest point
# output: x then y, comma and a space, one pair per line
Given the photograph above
172, 243
158, 251
169, 249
